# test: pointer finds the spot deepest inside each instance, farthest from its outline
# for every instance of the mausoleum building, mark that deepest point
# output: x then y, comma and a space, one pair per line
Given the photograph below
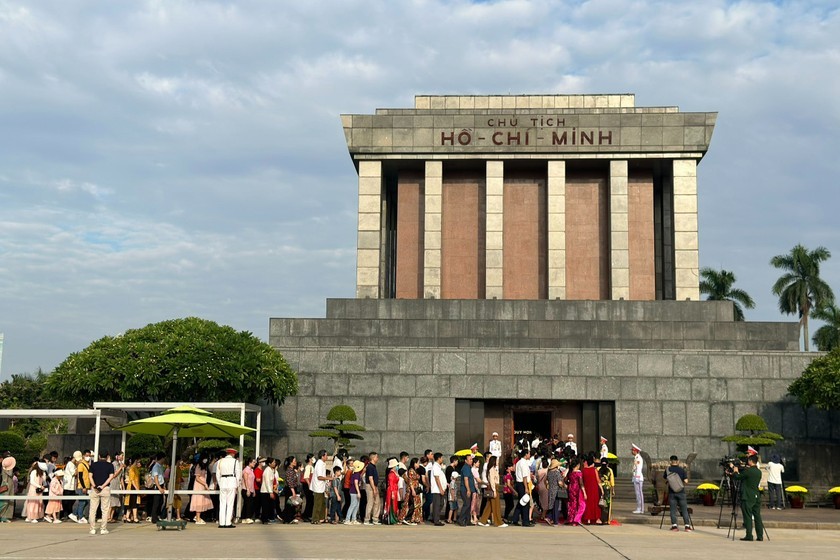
529, 264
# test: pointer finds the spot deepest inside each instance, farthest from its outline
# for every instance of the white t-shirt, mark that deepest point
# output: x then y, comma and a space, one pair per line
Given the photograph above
523, 470
319, 486
774, 472
436, 476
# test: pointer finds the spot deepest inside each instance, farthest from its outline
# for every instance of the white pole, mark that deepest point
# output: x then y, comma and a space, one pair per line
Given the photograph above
259, 422
170, 501
96, 434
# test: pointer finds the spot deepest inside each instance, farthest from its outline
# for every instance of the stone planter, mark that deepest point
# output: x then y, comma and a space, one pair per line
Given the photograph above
708, 499
836, 499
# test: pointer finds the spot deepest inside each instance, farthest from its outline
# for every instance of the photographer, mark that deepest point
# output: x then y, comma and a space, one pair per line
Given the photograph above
676, 478
750, 497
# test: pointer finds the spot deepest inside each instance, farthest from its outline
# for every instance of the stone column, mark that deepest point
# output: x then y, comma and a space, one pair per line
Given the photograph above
686, 239
494, 220
619, 232
556, 229
369, 232
431, 236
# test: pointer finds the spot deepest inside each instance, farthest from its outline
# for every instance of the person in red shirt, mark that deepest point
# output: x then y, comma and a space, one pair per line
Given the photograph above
258, 472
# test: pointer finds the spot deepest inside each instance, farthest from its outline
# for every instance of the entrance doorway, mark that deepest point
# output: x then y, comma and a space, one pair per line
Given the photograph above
528, 425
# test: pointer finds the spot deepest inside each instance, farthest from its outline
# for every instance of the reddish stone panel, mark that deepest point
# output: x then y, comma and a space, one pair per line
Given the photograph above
525, 236
587, 236
410, 217
641, 240
462, 236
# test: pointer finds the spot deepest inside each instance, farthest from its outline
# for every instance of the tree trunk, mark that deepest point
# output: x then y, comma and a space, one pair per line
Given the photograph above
807, 312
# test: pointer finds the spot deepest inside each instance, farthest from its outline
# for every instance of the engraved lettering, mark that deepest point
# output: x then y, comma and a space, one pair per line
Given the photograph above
497, 138
444, 138
511, 138
559, 140
607, 137
464, 137
584, 137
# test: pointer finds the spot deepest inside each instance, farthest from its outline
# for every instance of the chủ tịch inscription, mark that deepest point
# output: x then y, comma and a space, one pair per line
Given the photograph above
526, 131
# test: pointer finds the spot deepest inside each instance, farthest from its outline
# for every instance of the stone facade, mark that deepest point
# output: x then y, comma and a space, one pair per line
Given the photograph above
402, 365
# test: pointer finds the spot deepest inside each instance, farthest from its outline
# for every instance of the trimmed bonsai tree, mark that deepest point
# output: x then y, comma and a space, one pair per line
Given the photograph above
340, 427
757, 434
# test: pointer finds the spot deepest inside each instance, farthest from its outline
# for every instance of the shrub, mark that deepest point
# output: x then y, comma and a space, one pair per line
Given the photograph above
14, 444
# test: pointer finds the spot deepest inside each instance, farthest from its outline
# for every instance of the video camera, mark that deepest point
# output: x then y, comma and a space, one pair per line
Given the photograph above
727, 462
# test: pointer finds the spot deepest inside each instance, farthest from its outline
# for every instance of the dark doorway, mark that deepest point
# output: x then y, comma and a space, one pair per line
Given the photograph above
528, 424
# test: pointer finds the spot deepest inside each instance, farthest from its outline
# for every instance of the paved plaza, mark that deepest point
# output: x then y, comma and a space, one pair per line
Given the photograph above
638, 538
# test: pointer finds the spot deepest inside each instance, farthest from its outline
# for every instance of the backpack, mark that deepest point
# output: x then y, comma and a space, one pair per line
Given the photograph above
675, 483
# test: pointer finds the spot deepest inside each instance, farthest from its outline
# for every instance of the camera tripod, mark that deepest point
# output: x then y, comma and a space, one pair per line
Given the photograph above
732, 488
729, 489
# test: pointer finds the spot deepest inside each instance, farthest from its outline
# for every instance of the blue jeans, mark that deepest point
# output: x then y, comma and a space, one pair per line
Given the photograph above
81, 505
464, 514
353, 510
675, 498
335, 509
776, 500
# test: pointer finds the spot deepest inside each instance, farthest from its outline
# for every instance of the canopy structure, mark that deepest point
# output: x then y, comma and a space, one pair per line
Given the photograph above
188, 421
120, 408
94, 413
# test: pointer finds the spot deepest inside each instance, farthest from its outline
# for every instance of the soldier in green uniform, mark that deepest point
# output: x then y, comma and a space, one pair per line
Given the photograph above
751, 498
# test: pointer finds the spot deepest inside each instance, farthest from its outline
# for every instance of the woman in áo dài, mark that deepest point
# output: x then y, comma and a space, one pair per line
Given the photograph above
608, 486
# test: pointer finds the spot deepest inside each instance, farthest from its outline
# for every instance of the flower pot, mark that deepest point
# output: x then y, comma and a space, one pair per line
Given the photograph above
796, 502
836, 501
708, 499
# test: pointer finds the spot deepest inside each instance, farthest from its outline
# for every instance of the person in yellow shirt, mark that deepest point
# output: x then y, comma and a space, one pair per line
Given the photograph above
132, 482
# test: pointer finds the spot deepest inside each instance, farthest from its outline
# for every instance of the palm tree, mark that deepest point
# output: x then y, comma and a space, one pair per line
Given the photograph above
827, 337
800, 288
718, 285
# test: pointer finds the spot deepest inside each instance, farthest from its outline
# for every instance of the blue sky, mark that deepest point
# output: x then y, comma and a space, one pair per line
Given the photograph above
166, 159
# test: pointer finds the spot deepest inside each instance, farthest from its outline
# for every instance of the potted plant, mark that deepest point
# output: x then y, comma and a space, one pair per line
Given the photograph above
707, 493
834, 494
796, 495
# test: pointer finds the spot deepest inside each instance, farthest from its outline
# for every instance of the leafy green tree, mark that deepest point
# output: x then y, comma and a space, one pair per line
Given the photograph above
800, 288
757, 434
185, 360
717, 285
14, 443
827, 337
335, 428
143, 445
819, 384
29, 391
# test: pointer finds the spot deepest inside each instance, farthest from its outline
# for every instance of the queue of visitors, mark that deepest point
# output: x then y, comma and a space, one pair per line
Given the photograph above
545, 481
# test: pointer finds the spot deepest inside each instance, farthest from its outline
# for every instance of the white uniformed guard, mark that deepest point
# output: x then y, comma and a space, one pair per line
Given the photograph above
604, 449
495, 446
229, 473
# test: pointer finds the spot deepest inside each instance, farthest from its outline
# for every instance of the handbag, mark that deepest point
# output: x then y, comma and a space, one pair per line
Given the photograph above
4, 489
602, 503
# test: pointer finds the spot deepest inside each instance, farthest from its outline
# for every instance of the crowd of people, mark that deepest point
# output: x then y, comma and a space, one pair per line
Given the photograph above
544, 481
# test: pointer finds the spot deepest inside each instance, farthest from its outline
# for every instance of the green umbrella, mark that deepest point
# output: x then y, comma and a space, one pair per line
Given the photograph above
187, 421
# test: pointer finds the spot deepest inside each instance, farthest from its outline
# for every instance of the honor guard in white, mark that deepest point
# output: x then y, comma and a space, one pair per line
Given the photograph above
604, 449
228, 473
495, 446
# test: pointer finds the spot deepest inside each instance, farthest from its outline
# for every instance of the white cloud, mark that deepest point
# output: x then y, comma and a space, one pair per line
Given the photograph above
169, 158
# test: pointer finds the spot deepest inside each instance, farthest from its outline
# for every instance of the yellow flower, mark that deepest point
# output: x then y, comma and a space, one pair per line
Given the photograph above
835, 490
796, 490
708, 486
